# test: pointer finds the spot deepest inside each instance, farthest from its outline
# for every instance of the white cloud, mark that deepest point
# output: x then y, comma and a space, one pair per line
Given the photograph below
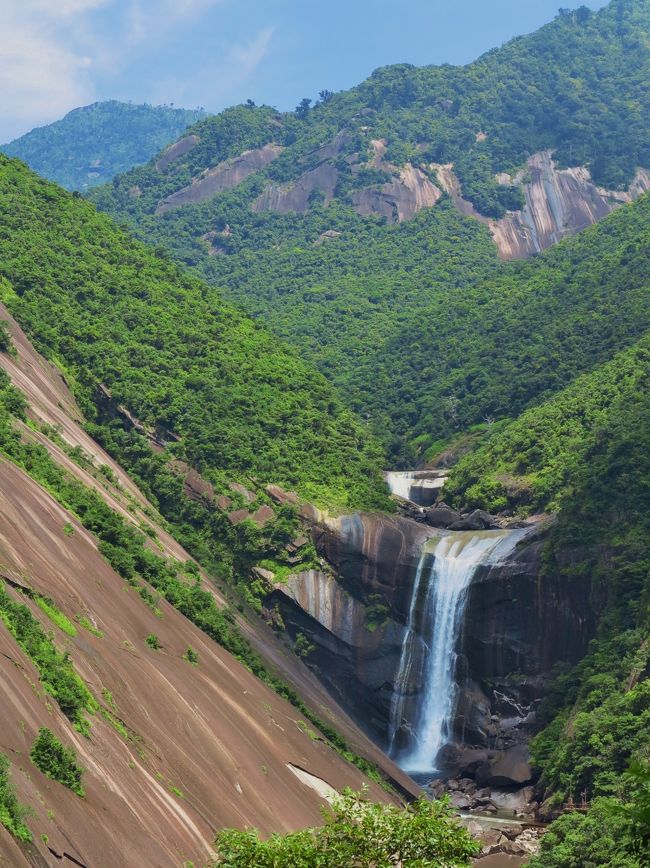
155, 19
56, 54
43, 72
248, 57
59, 8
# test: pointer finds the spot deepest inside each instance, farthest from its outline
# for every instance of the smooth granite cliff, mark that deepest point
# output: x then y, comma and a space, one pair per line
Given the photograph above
522, 618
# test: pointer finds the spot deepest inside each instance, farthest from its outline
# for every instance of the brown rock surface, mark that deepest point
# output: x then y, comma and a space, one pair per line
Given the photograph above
559, 203
178, 149
294, 197
400, 199
225, 176
213, 732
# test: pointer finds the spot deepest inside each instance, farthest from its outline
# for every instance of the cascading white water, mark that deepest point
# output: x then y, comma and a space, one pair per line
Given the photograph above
445, 571
400, 482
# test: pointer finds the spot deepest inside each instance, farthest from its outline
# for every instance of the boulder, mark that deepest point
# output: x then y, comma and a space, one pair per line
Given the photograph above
460, 801
476, 520
263, 515
238, 488
467, 524
517, 802
441, 516
279, 495
512, 767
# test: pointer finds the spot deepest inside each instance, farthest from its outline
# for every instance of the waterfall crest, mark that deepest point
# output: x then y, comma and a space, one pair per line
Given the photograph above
400, 482
446, 568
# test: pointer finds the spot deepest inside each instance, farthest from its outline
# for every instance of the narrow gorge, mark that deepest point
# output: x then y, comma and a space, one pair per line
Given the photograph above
438, 642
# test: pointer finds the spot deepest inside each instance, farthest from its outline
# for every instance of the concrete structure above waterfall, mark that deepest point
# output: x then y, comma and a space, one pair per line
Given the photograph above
421, 487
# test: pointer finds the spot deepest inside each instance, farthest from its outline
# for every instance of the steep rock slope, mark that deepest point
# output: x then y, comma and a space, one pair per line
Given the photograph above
175, 750
559, 203
92, 144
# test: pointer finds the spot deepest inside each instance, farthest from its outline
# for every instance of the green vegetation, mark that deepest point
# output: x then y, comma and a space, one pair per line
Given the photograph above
389, 312
358, 833
535, 462
5, 337
12, 813
614, 833
55, 615
87, 624
218, 389
191, 656
586, 454
124, 546
57, 761
55, 668
92, 144
302, 646
153, 642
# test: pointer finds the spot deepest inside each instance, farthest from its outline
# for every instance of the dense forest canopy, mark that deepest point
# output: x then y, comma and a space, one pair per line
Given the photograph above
91, 145
169, 349
358, 296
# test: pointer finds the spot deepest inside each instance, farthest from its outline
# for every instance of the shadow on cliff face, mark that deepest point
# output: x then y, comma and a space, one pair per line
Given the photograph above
522, 617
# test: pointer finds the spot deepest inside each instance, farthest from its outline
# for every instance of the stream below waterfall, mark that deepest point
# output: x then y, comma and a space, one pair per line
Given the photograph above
425, 692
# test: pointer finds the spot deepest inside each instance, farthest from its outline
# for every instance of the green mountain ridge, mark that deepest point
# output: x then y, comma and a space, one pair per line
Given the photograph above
347, 289
92, 144
170, 349
538, 368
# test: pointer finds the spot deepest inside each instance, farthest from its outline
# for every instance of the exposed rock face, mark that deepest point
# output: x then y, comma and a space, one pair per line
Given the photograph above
357, 646
321, 597
225, 176
207, 746
375, 554
400, 199
176, 151
294, 197
519, 622
559, 203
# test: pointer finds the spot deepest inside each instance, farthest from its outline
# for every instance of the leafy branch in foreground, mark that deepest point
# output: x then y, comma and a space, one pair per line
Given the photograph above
358, 833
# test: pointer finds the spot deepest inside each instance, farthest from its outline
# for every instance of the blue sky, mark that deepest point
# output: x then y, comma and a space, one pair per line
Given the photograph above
56, 55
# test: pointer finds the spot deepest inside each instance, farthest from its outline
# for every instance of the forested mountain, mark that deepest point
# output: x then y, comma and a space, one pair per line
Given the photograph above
333, 291
338, 224
91, 145
133, 696
584, 454
169, 349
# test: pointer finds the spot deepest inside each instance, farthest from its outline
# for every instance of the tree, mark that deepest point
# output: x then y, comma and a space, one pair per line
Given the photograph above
57, 761
325, 95
12, 813
302, 109
5, 337
358, 833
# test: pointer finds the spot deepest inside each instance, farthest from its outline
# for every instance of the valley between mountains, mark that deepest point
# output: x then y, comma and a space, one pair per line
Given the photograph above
325, 466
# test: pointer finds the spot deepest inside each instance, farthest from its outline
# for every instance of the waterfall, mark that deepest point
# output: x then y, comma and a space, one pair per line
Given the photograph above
400, 482
445, 571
